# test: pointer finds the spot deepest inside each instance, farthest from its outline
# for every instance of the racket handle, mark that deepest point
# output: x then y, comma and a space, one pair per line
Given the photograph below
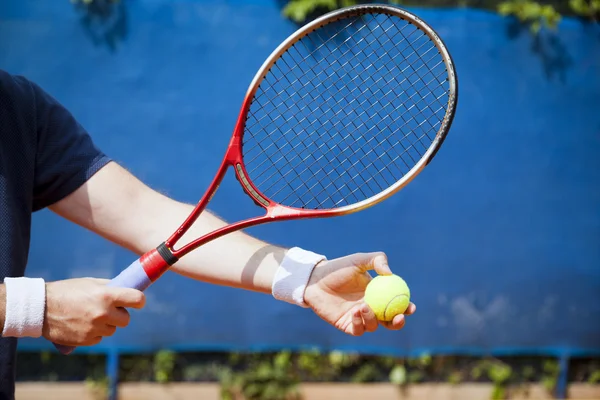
133, 277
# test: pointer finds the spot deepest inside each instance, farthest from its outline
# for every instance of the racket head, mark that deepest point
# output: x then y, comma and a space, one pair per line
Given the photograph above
344, 113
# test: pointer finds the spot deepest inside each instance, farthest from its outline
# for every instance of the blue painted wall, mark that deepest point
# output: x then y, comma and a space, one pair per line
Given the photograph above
499, 238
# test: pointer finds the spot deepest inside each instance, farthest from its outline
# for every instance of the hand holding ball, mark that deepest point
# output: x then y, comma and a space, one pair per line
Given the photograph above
388, 296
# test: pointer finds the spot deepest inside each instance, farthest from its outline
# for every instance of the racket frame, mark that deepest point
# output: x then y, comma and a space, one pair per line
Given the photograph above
150, 266
234, 154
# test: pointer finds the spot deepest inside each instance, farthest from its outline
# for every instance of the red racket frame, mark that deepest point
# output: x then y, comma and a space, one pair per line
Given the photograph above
157, 261
155, 264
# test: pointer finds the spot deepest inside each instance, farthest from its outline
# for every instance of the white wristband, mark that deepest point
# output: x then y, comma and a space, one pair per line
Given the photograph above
25, 307
293, 274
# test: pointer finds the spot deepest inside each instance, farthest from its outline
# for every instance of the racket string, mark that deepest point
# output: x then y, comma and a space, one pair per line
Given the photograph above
321, 82
304, 86
316, 76
335, 72
310, 136
386, 138
340, 109
356, 128
336, 103
338, 189
312, 53
398, 156
399, 128
277, 171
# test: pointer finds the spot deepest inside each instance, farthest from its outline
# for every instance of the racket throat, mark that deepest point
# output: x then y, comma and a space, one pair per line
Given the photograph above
157, 261
166, 254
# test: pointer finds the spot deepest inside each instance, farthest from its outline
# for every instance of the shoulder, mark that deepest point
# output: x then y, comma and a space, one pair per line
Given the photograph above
15, 87
17, 107
23, 98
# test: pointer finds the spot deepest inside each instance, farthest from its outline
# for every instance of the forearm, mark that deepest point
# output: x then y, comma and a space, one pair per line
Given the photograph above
146, 218
237, 259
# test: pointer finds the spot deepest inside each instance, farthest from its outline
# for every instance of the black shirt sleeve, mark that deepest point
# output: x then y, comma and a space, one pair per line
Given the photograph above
66, 156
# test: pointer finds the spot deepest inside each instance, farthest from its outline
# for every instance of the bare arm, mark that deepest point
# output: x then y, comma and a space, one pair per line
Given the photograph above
117, 206
120, 208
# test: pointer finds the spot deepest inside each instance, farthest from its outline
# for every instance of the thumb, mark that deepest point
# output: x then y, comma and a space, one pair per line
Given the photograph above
128, 298
374, 261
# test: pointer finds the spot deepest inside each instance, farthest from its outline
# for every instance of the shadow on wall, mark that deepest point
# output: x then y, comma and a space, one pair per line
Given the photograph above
103, 21
549, 48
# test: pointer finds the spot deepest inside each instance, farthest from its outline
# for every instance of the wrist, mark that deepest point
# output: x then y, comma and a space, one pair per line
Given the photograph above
293, 274
24, 307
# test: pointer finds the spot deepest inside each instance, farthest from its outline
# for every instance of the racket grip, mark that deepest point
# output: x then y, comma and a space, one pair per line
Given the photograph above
133, 277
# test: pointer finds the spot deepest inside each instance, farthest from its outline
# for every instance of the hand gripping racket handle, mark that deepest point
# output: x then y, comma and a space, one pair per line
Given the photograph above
139, 275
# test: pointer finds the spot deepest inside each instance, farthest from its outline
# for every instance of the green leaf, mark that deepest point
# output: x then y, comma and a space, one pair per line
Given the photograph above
506, 8
551, 366
282, 360
415, 376
531, 13
528, 372
549, 383
594, 377
498, 393
366, 373
581, 7
455, 378
388, 362
398, 375
425, 360
298, 10
164, 364
499, 372
337, 359
476, 372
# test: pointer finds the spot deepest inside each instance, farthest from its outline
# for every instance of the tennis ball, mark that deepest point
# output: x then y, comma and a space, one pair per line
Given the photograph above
388, 296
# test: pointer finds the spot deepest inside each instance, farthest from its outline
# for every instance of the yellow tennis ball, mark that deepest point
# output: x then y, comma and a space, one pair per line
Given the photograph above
388, 296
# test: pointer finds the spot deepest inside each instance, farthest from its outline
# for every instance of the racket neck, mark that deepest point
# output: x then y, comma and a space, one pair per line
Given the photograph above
200, 207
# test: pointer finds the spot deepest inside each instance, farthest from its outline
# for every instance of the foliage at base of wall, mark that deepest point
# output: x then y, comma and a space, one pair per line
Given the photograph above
277, 376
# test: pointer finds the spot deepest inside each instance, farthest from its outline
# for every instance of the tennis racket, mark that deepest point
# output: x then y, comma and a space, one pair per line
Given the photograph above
343, 114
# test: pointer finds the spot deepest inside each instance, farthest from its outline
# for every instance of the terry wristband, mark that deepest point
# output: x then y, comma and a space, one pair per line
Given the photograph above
25, 307
293, 274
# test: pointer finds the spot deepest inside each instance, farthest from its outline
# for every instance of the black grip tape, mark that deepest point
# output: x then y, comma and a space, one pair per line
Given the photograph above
166, 254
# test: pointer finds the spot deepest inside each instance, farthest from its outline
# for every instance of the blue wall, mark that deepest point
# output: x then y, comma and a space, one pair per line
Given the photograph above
499, 238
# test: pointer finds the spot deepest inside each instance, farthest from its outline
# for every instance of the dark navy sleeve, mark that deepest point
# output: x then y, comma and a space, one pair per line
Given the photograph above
66, 156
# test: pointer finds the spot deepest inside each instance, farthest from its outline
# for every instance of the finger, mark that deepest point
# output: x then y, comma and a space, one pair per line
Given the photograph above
376, 261
94, 341
108, 330
396, 324
130, 298
86, 342
369, 318
91, 342
118, 317
411, 309
358, 327
380, 264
